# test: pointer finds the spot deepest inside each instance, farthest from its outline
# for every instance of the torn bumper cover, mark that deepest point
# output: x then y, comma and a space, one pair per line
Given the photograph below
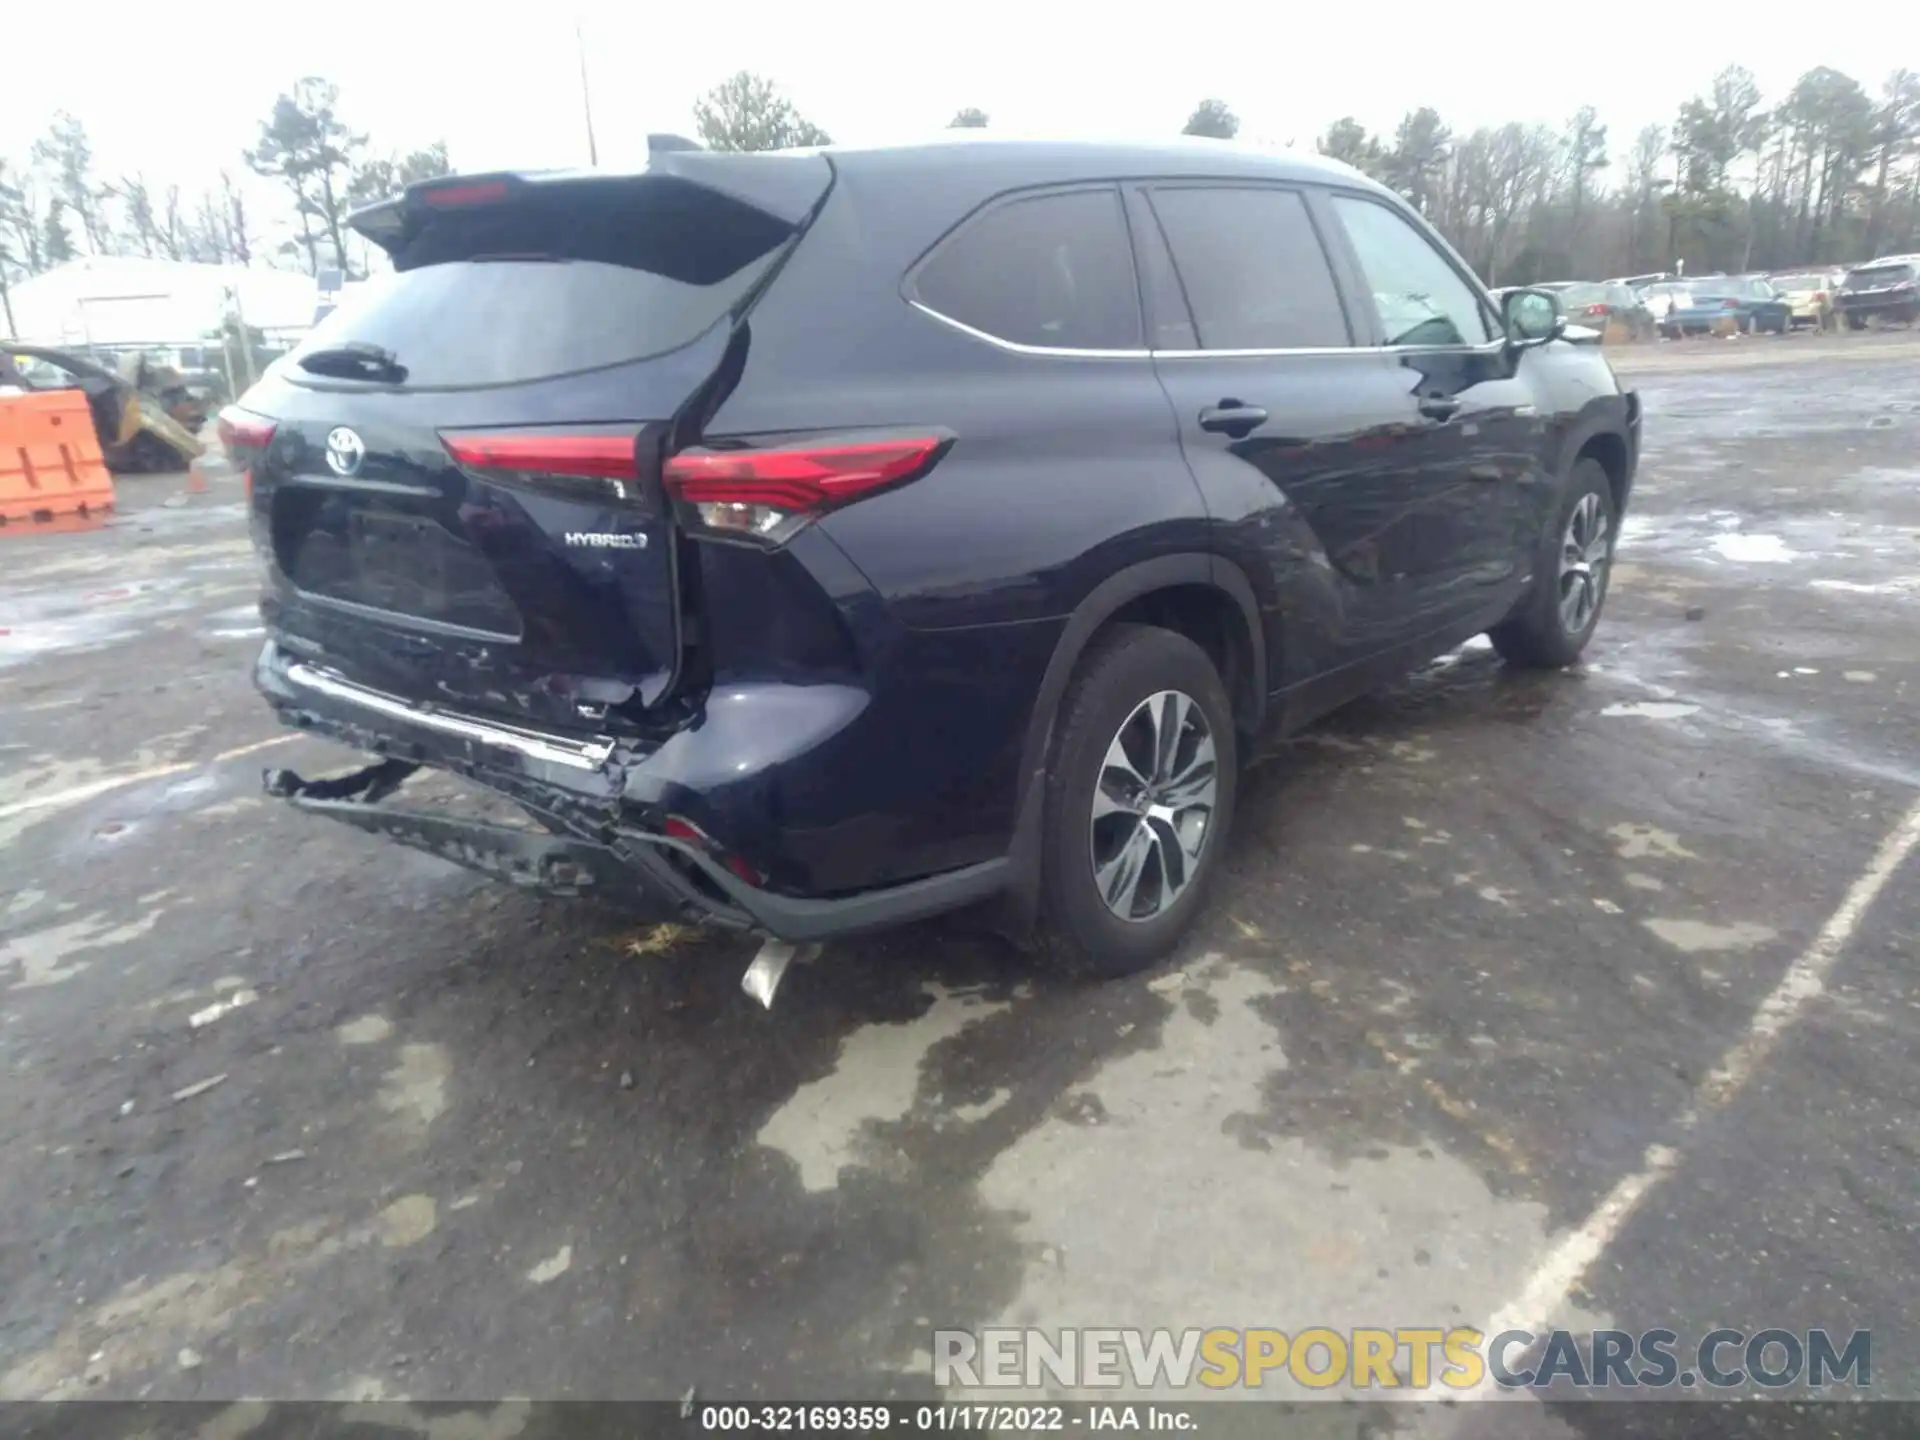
634, 870
592, 846
557, 864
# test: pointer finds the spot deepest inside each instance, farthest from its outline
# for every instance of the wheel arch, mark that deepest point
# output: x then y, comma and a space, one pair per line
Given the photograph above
1603, 439
1187, 593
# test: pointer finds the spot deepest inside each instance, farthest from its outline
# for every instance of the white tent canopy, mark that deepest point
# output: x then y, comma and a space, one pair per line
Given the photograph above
126, 301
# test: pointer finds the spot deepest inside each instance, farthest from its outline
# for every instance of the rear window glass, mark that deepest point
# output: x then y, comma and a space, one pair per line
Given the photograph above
1053, 271
560, 284
1252, 268
1868, 277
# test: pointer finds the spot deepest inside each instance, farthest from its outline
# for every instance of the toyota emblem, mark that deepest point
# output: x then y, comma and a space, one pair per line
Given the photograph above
345, 450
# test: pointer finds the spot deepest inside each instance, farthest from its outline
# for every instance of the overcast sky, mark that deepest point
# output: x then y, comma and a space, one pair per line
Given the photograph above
180, 97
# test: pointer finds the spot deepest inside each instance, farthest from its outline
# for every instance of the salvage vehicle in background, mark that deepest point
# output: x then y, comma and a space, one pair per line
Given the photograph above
802, 541
139, 429
1747, 303
1810, 297
1883, 289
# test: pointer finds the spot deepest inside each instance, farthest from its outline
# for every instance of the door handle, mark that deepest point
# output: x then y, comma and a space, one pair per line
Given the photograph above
1439, 407
1231, 417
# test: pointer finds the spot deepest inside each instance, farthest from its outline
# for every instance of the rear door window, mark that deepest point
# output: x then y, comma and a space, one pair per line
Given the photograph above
1421, 299
1252, 268
562, 281
1050, 271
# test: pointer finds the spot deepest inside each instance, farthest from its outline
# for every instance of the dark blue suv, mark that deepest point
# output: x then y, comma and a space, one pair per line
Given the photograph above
812, 541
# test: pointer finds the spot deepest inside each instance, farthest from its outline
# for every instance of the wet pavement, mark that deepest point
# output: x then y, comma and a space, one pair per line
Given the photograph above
288, 1112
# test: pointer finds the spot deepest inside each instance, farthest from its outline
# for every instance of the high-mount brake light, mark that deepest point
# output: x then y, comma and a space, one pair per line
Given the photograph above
455, 197
756, 492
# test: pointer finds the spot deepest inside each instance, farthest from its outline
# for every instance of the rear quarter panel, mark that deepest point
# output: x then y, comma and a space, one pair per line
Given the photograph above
1064, 470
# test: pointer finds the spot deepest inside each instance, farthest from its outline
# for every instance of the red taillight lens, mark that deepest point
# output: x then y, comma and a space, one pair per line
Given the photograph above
1599, 309
243, 430
757, 491
597, 456
679, 828
244, 436
1729, 304
458, 197
1819, 296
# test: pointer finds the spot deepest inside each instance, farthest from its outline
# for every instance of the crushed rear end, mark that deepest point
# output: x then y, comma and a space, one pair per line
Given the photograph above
499, 543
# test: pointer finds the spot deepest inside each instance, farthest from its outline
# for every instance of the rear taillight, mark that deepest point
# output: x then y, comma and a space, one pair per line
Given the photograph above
1819, 297
1599, 309
244, 436
596, 463
600, 456
1729, 304
759, 491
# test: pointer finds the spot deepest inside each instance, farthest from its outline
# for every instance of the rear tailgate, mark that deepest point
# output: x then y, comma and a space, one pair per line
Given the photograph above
459, 495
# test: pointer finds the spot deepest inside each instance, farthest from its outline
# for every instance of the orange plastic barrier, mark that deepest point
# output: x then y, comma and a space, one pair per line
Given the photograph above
52, 475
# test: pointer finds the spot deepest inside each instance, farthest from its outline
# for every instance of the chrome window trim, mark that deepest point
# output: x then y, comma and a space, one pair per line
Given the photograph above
1052, 352
1015, 347
553, 749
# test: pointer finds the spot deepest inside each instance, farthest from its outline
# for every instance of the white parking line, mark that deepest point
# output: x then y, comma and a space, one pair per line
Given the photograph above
1805, 980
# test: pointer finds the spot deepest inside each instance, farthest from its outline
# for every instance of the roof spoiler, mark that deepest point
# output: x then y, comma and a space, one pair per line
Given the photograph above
788, 186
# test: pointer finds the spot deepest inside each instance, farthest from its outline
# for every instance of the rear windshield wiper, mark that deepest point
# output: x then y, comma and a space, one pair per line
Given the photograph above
356, 360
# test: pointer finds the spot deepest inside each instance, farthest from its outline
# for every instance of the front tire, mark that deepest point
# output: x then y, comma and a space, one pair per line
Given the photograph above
1140, 793
1856, 322
1556, 619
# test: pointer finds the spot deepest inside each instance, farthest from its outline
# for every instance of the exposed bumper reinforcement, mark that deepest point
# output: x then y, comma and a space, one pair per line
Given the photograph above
555, 750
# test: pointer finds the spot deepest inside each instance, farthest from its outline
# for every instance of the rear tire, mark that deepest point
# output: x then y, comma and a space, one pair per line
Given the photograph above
1856, 322
1552, 625
1140, 792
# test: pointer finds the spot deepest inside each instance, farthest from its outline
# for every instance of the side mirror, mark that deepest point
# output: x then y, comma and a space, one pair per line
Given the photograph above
1532, 317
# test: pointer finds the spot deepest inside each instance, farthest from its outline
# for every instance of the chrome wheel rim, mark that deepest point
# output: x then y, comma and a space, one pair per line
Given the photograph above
1585, 555
1153, 806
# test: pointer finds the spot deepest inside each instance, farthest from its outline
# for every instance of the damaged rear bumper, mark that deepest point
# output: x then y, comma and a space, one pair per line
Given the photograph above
594, 844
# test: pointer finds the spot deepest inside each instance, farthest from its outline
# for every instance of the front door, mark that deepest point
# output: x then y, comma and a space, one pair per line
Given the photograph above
1463, 544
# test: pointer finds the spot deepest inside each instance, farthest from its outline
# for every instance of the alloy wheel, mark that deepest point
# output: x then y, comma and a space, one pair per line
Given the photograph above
1585, 554
1153, 806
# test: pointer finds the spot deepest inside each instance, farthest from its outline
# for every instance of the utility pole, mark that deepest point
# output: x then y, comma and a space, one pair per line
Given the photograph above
586, 98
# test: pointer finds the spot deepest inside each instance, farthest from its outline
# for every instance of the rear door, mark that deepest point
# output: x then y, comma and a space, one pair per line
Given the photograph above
460, 501
1302, 441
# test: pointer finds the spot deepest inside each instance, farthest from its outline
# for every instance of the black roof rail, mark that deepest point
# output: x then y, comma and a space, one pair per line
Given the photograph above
663, 144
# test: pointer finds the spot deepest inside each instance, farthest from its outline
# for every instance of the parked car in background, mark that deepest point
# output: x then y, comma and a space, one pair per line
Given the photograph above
1640, 282
759, 524
1661, 296
1749, 303
1811, 296
1602, 303
1883, 289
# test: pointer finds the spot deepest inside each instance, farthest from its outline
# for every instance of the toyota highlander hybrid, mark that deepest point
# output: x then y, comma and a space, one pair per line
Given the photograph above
811, 541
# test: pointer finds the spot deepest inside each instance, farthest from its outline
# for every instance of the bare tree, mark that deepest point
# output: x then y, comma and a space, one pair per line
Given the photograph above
747, 112
1212, 118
